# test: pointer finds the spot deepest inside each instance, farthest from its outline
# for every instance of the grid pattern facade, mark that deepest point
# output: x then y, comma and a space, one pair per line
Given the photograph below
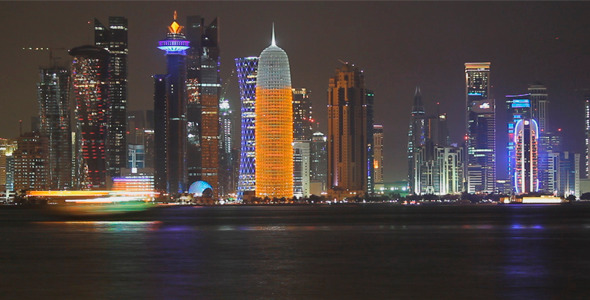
247, 72
378, 153
274, 125
30, 162
527, 156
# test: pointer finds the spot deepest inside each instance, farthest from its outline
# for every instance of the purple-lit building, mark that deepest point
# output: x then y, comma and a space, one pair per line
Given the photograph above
526, 136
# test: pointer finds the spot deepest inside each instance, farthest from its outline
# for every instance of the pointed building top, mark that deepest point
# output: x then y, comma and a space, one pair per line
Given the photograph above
417, 93
175, 27
273, 43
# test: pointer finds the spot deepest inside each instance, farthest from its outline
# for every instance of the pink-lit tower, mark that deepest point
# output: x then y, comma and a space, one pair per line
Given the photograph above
526, 139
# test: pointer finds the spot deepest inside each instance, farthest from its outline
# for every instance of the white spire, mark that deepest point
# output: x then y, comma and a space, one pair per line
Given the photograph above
273, 43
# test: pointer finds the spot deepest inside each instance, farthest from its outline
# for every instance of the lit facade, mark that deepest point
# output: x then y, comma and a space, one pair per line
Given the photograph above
319, 163
301, 169
90, 69
247, 68
518, 107
114, 39
170, 114
526, 136
7, 147
416, 138
587, 132
480, 128
274, 124
302, 115
53, 95
203, 86
378, 154
31, 162
347, 133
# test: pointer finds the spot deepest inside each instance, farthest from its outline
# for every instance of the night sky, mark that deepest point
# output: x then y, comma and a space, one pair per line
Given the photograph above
398, 45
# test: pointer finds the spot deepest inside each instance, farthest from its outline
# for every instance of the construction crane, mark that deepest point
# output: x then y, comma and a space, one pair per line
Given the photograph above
52, 59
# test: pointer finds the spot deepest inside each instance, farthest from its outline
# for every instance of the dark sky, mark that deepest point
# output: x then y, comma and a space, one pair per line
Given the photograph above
398, 45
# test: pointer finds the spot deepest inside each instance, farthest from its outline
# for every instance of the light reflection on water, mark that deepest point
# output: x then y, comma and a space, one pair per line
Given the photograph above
302, 253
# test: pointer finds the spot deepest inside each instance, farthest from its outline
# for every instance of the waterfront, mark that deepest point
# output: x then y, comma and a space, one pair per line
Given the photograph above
300, 252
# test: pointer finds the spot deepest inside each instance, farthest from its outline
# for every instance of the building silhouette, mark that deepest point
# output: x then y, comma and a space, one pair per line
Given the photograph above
480, 128
53, 95
114, 39
274, 124
203, 87
170, 119
247, 68
347, 133
90, 82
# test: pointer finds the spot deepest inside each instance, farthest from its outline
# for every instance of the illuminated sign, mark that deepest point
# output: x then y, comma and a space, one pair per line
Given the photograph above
484, 105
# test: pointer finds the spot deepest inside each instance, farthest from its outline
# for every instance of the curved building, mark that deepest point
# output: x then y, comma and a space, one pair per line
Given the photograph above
527, 156
90, 82
247, 67
274, 124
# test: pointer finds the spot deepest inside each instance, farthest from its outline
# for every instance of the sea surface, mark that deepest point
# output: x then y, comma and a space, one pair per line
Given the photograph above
300, 252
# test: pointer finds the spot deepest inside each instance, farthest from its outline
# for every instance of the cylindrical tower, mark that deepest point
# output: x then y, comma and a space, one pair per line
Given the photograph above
274, 124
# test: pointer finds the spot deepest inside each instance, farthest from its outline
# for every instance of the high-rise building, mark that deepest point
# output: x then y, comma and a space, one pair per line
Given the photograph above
347, 133
526, 149
31, 162
568, 178
370, 97
53, 95
587, 131
416, 138
227, 176
539, 106
274, 124
203, 87
247, 72
319, 163
518, 107
378, 155
114, 39
480, 128
7, 147
439, 169
170, 114
90, 69
302, 115
301, 169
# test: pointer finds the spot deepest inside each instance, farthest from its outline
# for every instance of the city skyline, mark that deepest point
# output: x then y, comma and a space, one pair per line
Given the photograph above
394, 62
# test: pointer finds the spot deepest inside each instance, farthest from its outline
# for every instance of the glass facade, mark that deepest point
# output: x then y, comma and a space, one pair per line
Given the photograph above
247, 68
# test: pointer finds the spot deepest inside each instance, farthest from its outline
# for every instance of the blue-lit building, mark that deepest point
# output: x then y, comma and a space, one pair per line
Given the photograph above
247, 68
416, 139
170, 107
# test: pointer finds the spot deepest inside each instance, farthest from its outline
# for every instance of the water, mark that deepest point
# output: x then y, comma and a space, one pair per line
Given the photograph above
300, 252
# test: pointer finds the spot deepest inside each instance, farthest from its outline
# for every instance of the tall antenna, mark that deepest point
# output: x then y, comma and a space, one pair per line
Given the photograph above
273, 43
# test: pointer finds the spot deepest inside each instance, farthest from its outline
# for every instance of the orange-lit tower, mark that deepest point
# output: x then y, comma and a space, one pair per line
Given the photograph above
274, 124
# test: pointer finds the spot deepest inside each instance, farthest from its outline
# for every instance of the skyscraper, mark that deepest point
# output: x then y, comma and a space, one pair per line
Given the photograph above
90, 81
347, 133
53, 95
416, 138
480, 128
302, 115
526, 136
114, 39
369, 142
539, 106
319, 163
170, 114
247, 72
274, 124
226, 167
7, 147
378, 154
587, 132
203, 87
301, 169
518, 108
